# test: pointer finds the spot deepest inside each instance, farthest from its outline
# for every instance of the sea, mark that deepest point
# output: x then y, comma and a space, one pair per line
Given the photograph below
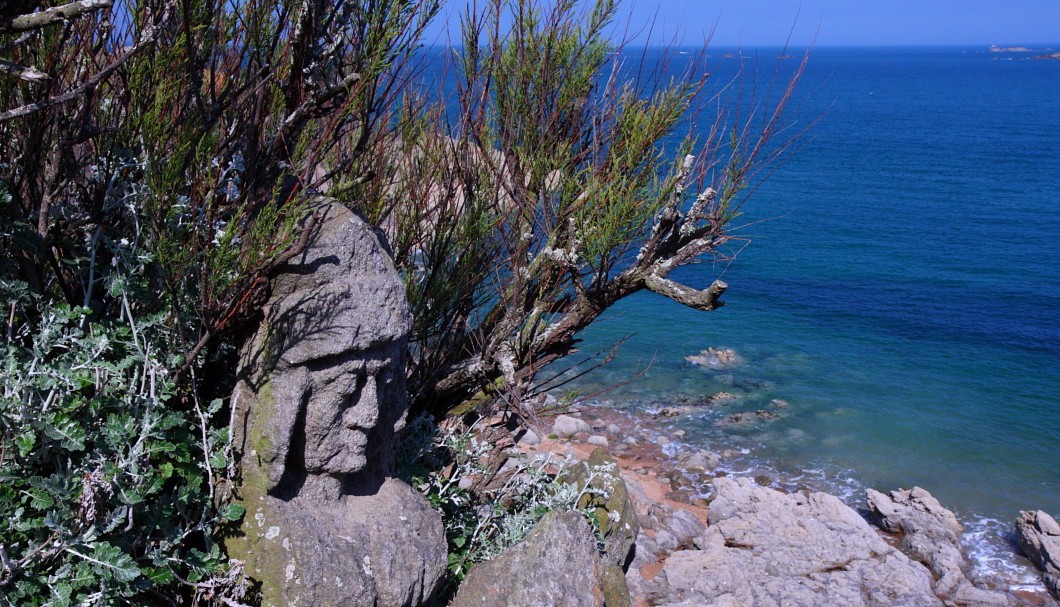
894, 286
894, 295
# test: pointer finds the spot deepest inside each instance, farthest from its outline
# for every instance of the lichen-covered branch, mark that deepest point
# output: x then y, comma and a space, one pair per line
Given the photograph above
29, 74
707, 299
51, 16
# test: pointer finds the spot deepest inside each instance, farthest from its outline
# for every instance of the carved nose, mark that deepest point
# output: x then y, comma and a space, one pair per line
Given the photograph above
365, 410
368, 392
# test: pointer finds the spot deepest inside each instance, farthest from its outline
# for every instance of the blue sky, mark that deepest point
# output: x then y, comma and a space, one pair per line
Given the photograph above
826, 22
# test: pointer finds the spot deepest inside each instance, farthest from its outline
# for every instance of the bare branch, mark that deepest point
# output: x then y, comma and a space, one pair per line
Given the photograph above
697, 212
51, 16
29, 74
309, 108
706, 300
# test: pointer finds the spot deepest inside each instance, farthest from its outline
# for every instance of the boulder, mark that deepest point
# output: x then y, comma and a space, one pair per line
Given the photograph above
718, 398
528, 437
614, 589
674, 411
701, 461
320, 396
1039, 539
643, 505
685, 528
566, 426
718, 358
596, 439
555, 565
931, 534
609, 502
763, 547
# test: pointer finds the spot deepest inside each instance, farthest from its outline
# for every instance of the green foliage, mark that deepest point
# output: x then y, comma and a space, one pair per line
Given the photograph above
105, 492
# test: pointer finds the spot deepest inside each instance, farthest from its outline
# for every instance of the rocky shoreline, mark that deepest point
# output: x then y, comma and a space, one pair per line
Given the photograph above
747, 543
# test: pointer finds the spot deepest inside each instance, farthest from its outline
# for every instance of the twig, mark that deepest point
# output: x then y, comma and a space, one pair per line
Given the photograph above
628, 381
24, 38
32, 553
132, 323
235, 306
611, 350
92, 266
300, 245
205, 435
29, 74
74, 93
306, 109
51, 16
7, 565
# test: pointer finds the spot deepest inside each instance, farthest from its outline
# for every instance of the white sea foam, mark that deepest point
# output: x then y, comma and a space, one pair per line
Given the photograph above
992, 553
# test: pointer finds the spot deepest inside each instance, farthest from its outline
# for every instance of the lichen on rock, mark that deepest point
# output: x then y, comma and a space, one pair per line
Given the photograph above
556, 565
1038, 534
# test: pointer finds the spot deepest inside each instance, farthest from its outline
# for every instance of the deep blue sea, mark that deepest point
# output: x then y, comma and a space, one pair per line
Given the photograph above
900, 290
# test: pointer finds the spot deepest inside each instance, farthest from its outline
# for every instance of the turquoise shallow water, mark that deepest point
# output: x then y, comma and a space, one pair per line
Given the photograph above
901, 291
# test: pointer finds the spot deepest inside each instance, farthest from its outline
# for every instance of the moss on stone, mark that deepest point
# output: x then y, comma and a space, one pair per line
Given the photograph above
614, 588
609, 504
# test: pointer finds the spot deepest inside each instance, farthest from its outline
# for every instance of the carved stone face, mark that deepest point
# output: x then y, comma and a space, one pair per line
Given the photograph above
340, 416
326, 368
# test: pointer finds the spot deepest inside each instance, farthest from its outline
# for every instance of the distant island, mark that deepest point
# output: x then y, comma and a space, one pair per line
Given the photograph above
1010, 49
1047, 53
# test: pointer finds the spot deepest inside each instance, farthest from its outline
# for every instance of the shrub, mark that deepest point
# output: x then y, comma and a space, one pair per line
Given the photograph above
553, 183
106, 492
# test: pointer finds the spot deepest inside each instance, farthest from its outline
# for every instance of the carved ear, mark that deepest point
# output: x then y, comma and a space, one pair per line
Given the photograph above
273, 415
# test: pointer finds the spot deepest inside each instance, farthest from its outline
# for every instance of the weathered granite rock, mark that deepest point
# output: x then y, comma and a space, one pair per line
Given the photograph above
611, 504
931, 534
674, 411
320, 396
1039, 539
701, 461
766, 548
555, 565
566, 426
685, 528
639, 579
528, 437
614, 589
596, 439
645, 506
